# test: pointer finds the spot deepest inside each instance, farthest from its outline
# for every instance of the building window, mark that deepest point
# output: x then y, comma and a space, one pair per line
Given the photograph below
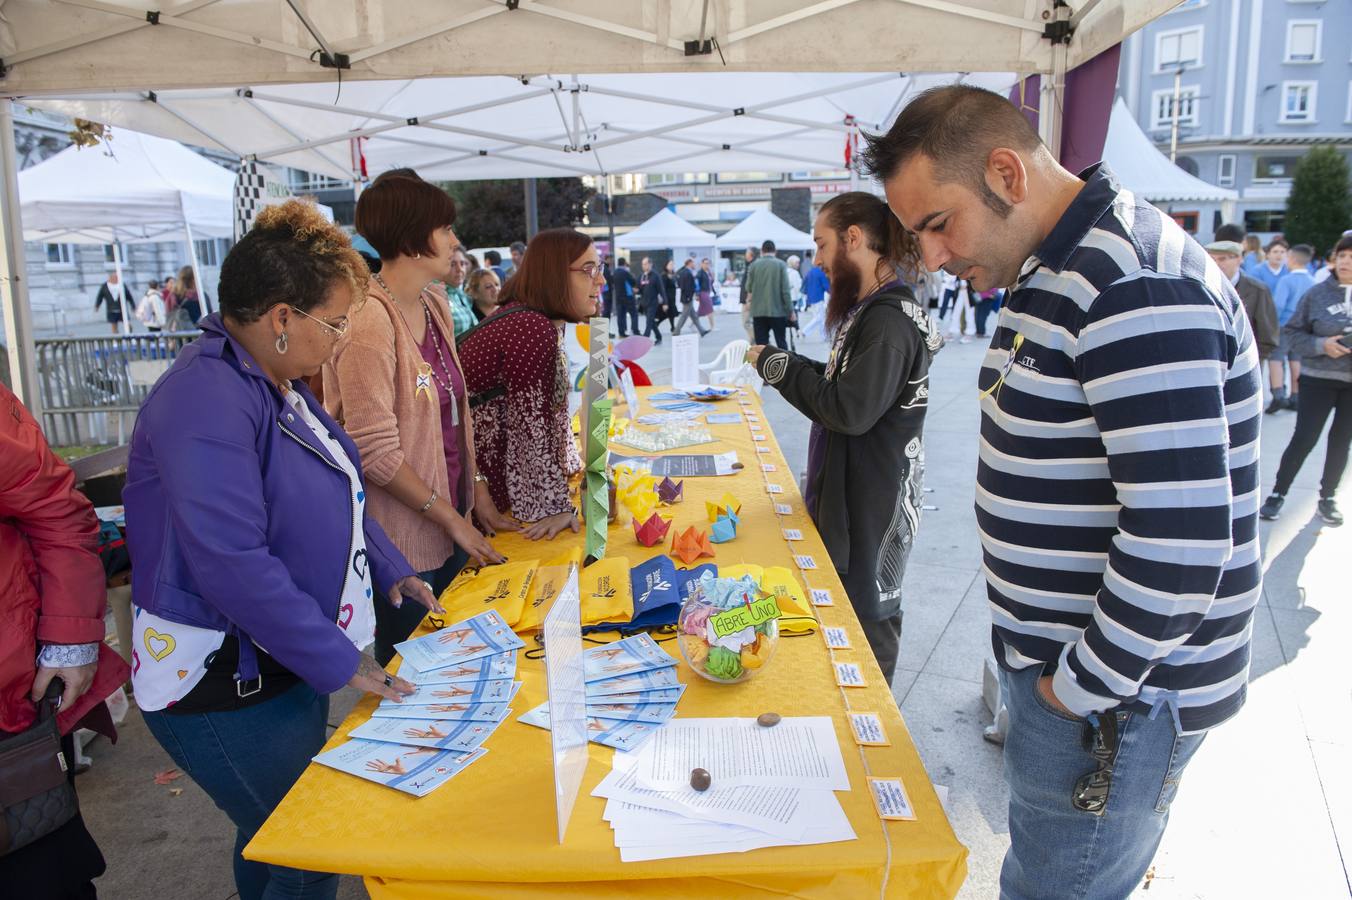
1178, 49
211, 252
1298, 99
830, 175
1269, 221
1162, 107
302, 182
1274, 168
1225, 169
1303, 37
60, 256
666, 178
108, 257
1186, 220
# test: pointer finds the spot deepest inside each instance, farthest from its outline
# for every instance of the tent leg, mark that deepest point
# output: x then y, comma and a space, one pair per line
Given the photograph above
13, 274
196, 270
532, 209
121, 285
1052, 102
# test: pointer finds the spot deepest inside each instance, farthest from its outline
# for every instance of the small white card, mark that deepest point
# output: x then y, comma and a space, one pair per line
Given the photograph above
792, 534
767, 467
757, 428
889, 796
822, 597
783, 509
806, 563
849, 675
868, 729
762, 449
757, 437
836, 638
774, 489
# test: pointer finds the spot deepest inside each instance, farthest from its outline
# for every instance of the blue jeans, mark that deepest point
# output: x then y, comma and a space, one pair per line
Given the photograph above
246, 760
1056, 850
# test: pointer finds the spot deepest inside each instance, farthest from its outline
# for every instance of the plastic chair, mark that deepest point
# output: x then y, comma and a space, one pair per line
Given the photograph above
727, 362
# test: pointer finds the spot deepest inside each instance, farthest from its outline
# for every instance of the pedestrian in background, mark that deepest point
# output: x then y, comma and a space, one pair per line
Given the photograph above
768, 296
112, 296
1290, 289
625, 304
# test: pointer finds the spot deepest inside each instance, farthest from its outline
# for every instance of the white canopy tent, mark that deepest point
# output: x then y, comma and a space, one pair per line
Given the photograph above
1143, 169
135, 188
320, 85
666, 231
763, 225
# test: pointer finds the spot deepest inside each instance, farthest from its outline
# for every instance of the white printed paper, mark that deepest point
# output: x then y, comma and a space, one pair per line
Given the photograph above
822, 597
889, 796
836, 638
783, 509
685, 360
868, 729
806, 563
774, 489
793, 534
848, 674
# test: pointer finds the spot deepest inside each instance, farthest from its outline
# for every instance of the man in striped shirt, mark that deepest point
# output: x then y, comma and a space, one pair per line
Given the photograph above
1117, 488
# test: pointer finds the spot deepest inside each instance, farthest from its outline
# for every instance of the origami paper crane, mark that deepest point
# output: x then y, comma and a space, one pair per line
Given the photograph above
724, 527
690, 545
726, 504
652, 531
670, 492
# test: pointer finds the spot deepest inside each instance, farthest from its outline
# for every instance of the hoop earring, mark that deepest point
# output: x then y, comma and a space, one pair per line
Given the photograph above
281, 343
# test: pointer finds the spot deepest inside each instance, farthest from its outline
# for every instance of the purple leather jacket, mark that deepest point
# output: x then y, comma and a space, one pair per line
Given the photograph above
237, 518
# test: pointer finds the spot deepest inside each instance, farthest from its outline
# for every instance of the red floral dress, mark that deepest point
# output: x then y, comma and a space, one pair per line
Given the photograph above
516, 374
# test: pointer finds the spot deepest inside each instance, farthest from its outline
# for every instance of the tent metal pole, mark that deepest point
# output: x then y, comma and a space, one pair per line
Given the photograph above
532, 208
121, 284
23, 370
192, 261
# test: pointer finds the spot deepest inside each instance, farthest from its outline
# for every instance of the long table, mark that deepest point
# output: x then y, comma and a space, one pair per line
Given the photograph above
491, 832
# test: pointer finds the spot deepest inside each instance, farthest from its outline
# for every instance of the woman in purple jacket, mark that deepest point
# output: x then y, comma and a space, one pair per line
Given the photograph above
254, 563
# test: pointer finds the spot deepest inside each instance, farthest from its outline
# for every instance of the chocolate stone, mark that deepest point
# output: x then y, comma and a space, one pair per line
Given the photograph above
768, 720
700, 779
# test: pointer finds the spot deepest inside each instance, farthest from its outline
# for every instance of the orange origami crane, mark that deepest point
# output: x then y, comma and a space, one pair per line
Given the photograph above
691, 544
651, 532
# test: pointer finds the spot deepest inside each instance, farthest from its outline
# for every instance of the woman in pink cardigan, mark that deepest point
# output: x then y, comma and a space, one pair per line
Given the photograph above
396, 385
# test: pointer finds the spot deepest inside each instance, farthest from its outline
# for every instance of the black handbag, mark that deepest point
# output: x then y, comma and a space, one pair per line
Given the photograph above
36, 796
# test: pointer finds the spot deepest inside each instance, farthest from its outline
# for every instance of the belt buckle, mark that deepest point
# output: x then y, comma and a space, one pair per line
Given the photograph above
241, 691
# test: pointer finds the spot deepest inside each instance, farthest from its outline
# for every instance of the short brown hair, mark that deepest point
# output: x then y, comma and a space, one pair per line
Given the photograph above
541, 281
398, 214
956, 127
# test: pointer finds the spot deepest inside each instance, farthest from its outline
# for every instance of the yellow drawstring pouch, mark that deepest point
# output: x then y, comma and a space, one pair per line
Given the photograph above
549, 581
502, 588
606, 592
798, 617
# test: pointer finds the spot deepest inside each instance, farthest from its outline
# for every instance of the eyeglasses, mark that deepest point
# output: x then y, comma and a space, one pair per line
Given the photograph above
1004, 370
338, 330
591, 270
1092, 788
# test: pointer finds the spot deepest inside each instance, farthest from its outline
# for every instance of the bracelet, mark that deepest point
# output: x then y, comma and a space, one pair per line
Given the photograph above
428, 505
481, 477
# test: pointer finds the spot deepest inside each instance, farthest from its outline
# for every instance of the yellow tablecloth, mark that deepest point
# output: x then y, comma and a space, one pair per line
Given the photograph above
491, 832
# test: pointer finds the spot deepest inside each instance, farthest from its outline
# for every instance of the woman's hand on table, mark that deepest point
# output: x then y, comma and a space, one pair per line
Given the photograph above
472, 541
550, 526
1333, 347
372, 679
487, 512
753, 354
415, 588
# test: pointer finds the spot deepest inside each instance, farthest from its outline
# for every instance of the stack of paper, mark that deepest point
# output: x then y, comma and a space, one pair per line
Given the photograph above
771, 787
463, 675
631, 691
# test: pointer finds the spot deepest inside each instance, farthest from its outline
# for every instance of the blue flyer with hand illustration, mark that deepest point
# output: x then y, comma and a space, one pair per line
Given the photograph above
638, 653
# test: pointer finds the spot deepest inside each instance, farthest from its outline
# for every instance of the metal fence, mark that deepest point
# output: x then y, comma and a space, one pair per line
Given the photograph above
92, 387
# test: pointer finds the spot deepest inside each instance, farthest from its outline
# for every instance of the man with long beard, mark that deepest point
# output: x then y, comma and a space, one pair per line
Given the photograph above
867, 405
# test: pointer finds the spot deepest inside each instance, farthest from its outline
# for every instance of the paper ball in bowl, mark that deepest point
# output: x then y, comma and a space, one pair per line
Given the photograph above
728, 629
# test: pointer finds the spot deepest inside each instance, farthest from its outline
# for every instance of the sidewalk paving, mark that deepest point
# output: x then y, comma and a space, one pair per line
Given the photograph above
1264, 811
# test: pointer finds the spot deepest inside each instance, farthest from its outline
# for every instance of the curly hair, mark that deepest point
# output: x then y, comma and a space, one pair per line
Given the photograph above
292, 255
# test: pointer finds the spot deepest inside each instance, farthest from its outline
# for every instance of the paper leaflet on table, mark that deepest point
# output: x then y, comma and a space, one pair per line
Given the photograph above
472, 692
694, 411
651, 680
462, 737
799, 752
477, 712
486, 634
606, 708
633, 654
619, 735
682, 465
724, 418
642, 833
657, 695
485, 668
413, 770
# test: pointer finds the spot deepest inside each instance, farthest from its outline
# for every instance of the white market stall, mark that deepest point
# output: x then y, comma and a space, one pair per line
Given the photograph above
763, 225
136, 188
668, 231
1143, 169
681, 85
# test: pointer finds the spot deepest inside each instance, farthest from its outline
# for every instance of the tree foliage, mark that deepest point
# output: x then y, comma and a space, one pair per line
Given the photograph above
1319, 208
493, 213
